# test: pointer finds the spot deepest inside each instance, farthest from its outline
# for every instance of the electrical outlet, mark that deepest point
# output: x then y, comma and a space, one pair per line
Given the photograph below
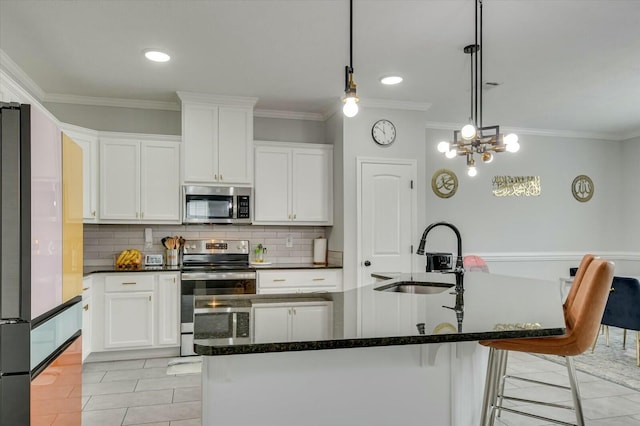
289, 241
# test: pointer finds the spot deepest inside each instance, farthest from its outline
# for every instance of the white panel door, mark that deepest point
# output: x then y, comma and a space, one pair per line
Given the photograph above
386, 218
119, 179
272, 184
311, 322
128, 319
312, 186
235, 145
200, 139
160, 181
168, 318
271, 323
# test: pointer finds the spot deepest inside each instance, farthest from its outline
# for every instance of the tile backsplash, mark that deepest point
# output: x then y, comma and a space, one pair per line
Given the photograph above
102, 242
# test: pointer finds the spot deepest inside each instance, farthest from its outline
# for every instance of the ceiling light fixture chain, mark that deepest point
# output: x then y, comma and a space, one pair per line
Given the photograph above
475, 138
350, 99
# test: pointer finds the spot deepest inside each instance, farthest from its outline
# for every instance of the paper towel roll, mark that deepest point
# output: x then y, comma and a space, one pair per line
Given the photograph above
320, 251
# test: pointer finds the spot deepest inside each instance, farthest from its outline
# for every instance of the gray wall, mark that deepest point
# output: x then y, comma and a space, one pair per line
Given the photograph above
551, 222
160, 122
630, 195
115, 119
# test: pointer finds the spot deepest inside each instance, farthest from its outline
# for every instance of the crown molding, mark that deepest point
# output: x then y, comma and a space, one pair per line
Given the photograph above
139, 136
217, 99
110, 102
290, 115
537, 132
20, 77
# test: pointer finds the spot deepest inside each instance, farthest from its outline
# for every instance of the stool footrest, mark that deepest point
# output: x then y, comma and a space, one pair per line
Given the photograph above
535, 416
538, 382
533, 401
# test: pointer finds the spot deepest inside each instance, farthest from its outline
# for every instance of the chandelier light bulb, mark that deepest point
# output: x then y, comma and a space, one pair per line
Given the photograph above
472, 171
510, 138
487, 157
513, 147
468, 132
443, 147
350, 108
451, 153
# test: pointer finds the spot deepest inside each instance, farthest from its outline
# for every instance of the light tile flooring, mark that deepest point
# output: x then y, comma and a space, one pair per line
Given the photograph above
139, 392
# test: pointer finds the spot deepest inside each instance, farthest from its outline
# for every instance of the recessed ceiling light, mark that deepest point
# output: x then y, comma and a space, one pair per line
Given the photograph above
391, 79
156, 55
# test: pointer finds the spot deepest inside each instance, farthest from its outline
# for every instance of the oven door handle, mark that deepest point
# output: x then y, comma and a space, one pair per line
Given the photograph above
213, 276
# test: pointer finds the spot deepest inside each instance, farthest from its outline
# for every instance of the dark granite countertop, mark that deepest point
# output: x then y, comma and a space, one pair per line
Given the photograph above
495, 307
88, 270
106, 269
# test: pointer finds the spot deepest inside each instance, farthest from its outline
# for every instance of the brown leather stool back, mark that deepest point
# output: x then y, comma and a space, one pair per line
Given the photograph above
577, 280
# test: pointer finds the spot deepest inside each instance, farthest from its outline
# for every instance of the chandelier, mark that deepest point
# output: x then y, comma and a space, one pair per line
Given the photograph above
474, 138
350, 99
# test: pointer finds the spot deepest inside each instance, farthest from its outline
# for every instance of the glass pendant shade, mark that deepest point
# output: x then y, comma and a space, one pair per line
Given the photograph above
472, 171
443, 147
468, 132
350, 108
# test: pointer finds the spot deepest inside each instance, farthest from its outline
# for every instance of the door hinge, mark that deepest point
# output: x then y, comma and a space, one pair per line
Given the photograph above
411, 183
411, 249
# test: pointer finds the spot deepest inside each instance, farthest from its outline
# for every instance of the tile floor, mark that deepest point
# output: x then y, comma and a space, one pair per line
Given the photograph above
139, 392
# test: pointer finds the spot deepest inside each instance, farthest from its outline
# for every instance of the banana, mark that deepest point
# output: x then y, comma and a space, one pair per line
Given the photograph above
121, 257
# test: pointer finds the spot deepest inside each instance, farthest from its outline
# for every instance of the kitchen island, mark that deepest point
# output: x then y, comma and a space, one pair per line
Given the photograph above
390, 358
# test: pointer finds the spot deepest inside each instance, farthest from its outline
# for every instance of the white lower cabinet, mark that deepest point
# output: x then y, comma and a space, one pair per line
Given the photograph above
135, 311
292, 321
128, 319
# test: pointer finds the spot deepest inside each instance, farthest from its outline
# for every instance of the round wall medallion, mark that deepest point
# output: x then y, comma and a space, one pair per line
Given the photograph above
444, 183
582, 188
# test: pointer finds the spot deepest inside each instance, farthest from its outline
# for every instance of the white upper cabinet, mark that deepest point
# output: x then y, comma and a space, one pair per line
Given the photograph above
88, 141
293, 184
217, 139
139, 181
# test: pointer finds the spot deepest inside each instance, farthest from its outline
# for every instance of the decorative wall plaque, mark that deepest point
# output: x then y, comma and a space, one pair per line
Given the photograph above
444, 183
516, 186
582, 188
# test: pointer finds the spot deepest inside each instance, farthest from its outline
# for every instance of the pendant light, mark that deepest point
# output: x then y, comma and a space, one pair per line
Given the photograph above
350, 99
474, 138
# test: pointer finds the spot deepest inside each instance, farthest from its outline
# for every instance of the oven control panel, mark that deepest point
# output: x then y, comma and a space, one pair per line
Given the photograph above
216, 247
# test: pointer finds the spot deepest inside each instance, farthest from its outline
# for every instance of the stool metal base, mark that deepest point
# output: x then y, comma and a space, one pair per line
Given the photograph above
494, 392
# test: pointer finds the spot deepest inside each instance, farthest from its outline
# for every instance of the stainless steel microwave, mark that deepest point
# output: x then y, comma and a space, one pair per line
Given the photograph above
217, 204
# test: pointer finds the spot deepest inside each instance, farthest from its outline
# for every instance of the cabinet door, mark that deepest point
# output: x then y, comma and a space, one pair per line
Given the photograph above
200, 139
89, 175
128, 319
311, 322
312, 186
271, 323
119, 179
235, 145
159, 181
168, 318
272, 185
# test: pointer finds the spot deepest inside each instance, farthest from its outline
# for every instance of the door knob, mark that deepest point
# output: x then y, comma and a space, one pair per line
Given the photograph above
367, 263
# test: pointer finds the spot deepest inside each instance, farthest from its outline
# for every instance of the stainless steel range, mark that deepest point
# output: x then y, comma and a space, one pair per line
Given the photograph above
213, 268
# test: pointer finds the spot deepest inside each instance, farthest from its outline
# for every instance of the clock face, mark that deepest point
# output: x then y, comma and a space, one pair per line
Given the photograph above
383, 132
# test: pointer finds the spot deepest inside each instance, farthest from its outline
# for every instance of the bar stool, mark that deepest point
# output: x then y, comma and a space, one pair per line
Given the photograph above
582, 321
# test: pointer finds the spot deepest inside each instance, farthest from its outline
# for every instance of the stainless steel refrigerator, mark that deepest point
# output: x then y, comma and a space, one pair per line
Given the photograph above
15, 266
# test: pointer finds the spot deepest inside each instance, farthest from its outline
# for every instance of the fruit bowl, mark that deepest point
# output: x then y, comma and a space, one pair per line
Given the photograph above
129, 260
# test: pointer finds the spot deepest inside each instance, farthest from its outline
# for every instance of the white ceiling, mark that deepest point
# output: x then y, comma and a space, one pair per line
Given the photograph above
567, 65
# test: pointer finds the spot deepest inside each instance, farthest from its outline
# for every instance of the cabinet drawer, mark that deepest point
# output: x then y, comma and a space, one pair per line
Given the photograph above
129, 282
300, 280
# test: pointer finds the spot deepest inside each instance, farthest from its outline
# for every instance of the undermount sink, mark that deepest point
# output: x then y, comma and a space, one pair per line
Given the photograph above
416, 287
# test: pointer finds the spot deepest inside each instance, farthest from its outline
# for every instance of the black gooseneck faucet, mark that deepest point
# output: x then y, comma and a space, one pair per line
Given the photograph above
458, 270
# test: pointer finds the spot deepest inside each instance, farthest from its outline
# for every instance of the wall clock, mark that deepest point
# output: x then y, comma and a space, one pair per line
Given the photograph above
383, 132
582, 188
444, 183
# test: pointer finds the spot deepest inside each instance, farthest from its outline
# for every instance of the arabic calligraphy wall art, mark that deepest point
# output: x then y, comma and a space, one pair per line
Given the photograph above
516, 186
582, 188
444, 183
